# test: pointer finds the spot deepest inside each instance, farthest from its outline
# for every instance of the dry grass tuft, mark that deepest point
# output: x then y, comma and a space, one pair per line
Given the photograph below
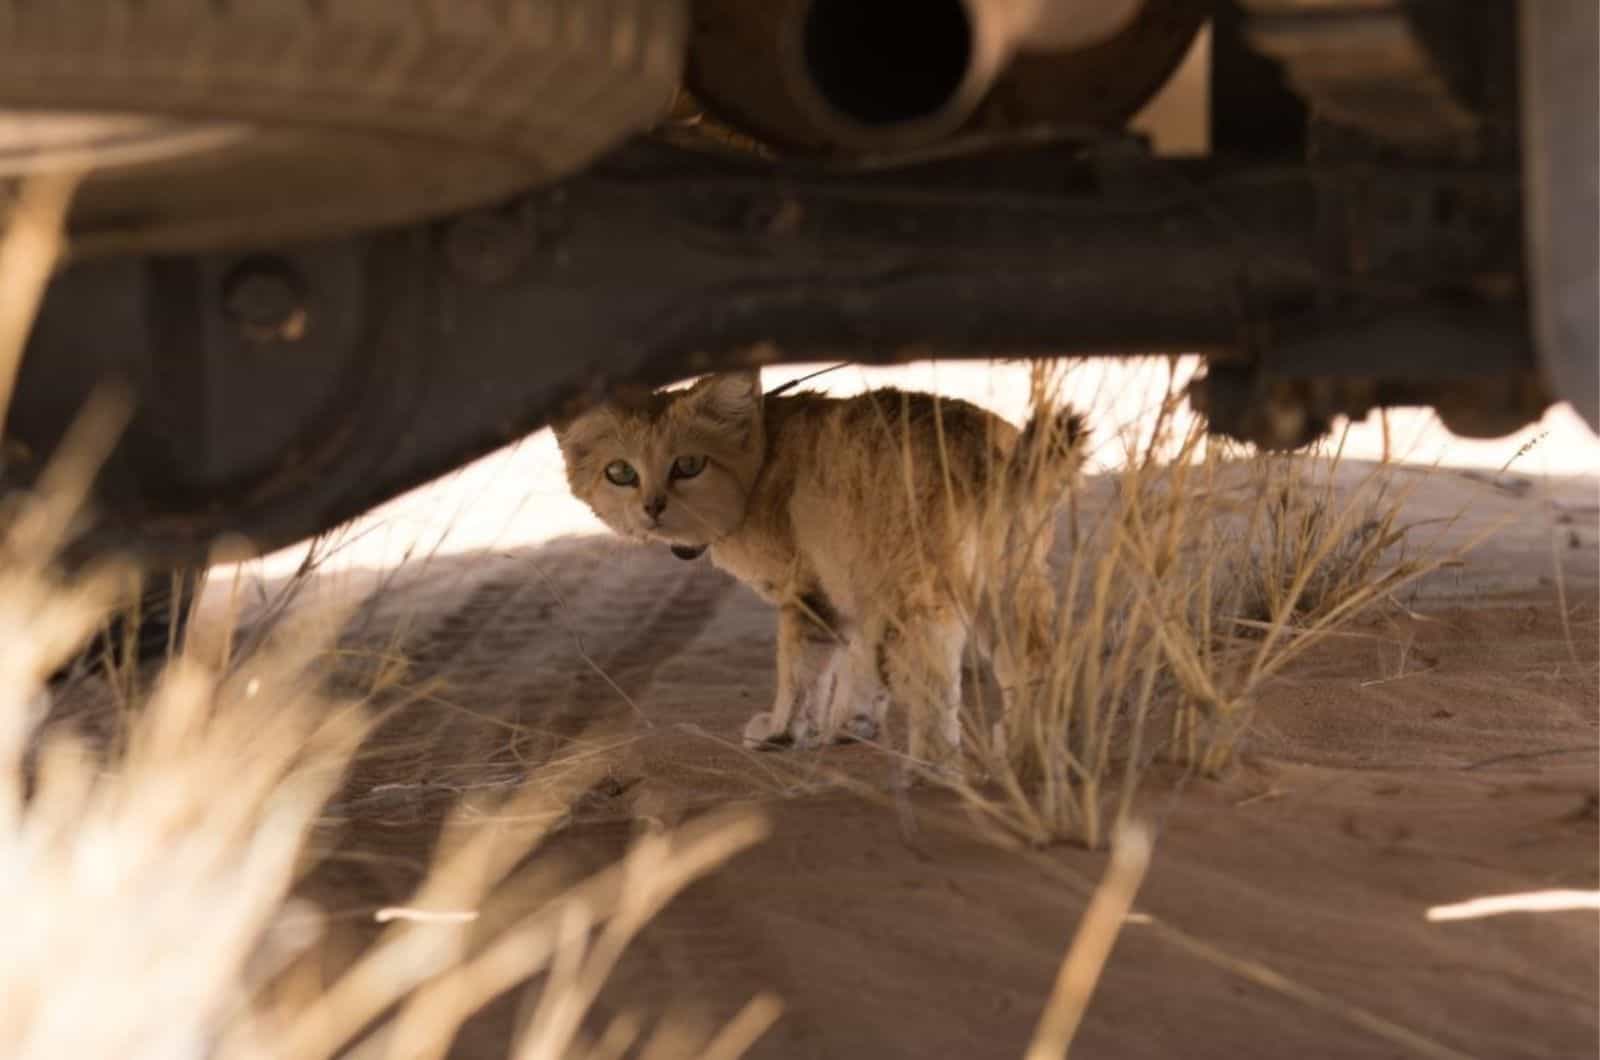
153, 879
152, 868
1314, 549
1174, 600
157, 872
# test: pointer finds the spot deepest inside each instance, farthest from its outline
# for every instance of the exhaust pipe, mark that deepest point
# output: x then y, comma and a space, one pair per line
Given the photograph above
858, 75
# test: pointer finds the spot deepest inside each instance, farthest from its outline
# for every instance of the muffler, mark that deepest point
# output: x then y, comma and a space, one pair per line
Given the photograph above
864, 75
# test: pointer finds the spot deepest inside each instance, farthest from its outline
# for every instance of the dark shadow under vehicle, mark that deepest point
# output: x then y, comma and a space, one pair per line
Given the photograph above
339, 250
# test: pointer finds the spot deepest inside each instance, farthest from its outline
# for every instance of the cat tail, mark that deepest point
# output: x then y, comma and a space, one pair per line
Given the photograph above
1049, 450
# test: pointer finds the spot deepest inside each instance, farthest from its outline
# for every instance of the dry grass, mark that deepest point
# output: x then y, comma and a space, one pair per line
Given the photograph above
1086, 958
157, 869
152, 866
158, 874
1176, 600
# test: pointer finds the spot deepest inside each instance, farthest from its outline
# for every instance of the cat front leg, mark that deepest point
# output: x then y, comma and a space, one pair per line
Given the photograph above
807, 678
919, 660
857, 699
1016, 634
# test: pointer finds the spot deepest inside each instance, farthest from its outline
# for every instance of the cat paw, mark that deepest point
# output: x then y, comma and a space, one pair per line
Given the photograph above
760, 736
860, 729
805, 736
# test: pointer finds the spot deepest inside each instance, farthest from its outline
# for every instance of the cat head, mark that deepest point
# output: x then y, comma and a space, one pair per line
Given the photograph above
670, 466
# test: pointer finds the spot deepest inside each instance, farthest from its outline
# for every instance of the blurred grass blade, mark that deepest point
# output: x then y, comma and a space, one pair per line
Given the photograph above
30, 247
1091, 946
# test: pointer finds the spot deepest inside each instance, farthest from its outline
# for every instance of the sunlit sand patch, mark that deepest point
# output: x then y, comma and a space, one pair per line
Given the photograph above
1525, 902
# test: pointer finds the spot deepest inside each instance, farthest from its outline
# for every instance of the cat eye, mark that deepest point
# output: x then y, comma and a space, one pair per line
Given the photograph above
621, 473
688, 466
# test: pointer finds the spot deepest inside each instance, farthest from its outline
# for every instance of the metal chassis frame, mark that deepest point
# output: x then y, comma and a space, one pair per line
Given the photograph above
279, 393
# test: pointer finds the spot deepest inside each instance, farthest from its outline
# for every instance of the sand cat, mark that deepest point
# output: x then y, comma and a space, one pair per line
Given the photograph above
886, 528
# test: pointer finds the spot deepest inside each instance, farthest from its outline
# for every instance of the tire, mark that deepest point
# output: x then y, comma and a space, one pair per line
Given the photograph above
353, 113
1561, 76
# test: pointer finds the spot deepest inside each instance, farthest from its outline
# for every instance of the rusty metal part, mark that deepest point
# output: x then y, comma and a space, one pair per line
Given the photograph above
1472, 363
1099, 84
1274, 413
266, 300
1282, 413
849, 76
1440, 80
488, 246
1365, 65
1063, 25
661, 263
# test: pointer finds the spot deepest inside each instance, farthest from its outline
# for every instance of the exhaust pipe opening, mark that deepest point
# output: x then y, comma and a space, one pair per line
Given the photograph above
854, 77
888, 63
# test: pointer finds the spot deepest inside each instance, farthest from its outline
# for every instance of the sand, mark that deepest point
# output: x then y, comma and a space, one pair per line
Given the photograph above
1440, 750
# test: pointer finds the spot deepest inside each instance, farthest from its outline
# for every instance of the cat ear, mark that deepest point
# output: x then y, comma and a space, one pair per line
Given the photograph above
729, 397
567, 422
577, 433
567, 415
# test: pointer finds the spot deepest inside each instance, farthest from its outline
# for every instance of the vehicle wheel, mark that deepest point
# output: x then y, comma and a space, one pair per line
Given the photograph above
256, 121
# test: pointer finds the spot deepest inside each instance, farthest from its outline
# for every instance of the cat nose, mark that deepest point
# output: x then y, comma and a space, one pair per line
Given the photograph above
656, 505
